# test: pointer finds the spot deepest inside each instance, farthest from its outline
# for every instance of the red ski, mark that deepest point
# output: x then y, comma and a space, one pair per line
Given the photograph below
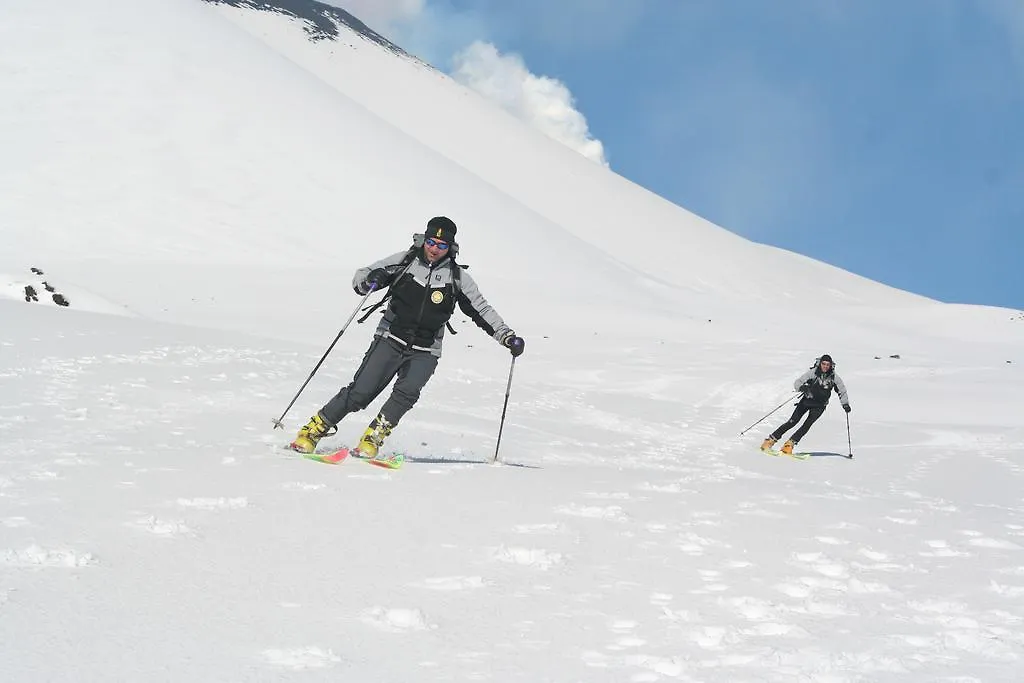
392, 461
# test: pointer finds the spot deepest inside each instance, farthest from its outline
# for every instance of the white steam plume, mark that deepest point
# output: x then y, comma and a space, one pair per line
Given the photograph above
544, 103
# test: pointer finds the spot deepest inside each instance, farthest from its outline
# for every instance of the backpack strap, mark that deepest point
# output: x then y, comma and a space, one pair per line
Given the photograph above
409, 257
457, 284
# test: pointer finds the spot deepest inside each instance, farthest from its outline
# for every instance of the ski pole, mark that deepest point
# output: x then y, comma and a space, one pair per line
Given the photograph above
769, 414
849, 441
278, 423
508, 390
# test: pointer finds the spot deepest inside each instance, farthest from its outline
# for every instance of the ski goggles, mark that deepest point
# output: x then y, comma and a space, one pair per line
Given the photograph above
431, 242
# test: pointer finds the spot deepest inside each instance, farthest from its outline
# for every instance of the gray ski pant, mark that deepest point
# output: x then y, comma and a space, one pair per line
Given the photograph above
385, 359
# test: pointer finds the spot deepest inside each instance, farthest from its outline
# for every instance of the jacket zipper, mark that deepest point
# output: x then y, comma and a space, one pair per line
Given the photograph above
426, 295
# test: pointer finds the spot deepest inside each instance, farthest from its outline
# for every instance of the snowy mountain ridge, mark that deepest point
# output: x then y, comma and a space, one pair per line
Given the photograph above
321, 21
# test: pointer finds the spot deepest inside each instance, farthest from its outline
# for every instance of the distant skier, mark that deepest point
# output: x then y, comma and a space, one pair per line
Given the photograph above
816, 385
425, 285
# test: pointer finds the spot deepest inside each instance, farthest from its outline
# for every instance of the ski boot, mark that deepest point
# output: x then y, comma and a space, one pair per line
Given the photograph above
316, 429
373, 438
767, 444
788, 447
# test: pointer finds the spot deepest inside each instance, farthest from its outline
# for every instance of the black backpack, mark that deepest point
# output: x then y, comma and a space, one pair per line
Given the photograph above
829, 378
403, 265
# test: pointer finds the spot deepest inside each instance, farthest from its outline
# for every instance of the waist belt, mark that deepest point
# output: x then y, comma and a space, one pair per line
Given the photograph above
407, 344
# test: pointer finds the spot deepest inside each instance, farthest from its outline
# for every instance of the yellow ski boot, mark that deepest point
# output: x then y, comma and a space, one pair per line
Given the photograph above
309, 435
787, 448
373, 438
767, 444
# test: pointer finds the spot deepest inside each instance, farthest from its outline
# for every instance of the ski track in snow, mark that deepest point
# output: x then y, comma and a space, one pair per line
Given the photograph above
36, 556
397, 619
302, 658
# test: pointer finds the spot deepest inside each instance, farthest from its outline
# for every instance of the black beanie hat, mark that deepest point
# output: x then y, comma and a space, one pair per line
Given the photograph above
442, 228
826, 357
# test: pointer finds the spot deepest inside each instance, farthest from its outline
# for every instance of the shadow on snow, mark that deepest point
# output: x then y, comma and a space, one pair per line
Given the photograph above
421, 460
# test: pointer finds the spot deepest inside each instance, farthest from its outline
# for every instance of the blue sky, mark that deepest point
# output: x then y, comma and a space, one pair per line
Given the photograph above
879, 136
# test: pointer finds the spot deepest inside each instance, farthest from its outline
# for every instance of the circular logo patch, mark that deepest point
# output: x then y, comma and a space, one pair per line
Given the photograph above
437, 296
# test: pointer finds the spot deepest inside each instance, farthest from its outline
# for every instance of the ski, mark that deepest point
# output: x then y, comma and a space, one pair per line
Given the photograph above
795, 456
391, 461
333, 458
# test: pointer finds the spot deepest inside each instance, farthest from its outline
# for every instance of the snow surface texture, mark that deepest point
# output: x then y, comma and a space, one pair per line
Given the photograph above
201, 193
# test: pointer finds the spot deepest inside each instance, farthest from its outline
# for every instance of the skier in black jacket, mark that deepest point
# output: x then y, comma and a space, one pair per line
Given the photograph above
817, 385
424, 292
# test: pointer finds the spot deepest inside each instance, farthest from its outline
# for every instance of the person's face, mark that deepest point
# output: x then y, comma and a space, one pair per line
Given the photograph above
434, 249
825, 365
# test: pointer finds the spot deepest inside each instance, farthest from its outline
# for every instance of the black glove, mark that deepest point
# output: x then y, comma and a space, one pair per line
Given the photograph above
515, 344
377, 279
806, 386
846, 407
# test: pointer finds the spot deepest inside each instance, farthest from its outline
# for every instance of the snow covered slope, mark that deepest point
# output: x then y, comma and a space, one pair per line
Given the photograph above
212, 177
581, 197
153, 529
